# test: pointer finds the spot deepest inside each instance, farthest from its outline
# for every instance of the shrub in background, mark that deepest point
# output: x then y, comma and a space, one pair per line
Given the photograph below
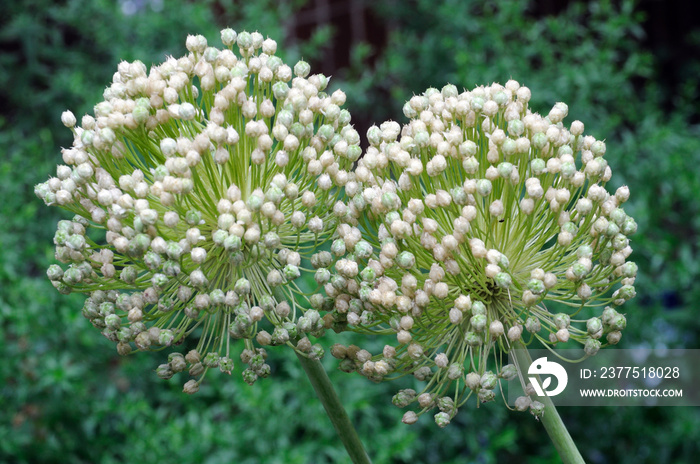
54, 55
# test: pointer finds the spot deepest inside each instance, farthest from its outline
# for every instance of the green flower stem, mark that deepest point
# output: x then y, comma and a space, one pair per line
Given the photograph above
331, 402
334, 408
551, 419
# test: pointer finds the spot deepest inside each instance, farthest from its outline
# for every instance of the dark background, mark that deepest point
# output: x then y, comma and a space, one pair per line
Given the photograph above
628, 69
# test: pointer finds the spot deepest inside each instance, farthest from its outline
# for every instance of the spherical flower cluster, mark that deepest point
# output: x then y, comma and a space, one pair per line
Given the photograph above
487, 226
201, 191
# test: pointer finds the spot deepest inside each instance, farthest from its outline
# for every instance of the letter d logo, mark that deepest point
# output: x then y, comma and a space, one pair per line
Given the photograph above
543, 367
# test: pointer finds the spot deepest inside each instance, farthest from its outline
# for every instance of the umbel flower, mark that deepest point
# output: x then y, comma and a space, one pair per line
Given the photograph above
487, 226
202, 189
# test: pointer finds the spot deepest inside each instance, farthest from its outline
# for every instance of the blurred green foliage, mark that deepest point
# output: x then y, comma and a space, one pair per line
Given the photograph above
65, 396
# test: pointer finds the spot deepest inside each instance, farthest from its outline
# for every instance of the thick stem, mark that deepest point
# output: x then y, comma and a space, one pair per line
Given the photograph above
550, 419
334, 409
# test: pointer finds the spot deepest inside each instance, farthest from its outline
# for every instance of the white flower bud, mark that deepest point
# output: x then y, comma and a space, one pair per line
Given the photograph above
441, 360
68, 119
473, 380
403, 337
522, 403
622, 194
456, 316
562, 335
492, 270
527, 205
550, 280
496, 208
515, 332
199, 255
463, 303
496, 329
315, 224
409, 418
441, 290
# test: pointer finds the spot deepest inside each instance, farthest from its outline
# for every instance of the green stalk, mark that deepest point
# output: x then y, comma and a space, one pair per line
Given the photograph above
551, 420
334, 409
331, 402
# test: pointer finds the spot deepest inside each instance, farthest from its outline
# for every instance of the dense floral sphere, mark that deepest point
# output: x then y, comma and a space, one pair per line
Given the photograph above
202, 190
486, 226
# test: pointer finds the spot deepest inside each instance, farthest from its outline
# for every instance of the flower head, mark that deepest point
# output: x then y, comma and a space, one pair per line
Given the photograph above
201, 188
488, 224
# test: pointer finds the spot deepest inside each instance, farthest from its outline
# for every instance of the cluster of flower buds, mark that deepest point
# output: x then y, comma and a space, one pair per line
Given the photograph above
205, 188
199, 188
486, 225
